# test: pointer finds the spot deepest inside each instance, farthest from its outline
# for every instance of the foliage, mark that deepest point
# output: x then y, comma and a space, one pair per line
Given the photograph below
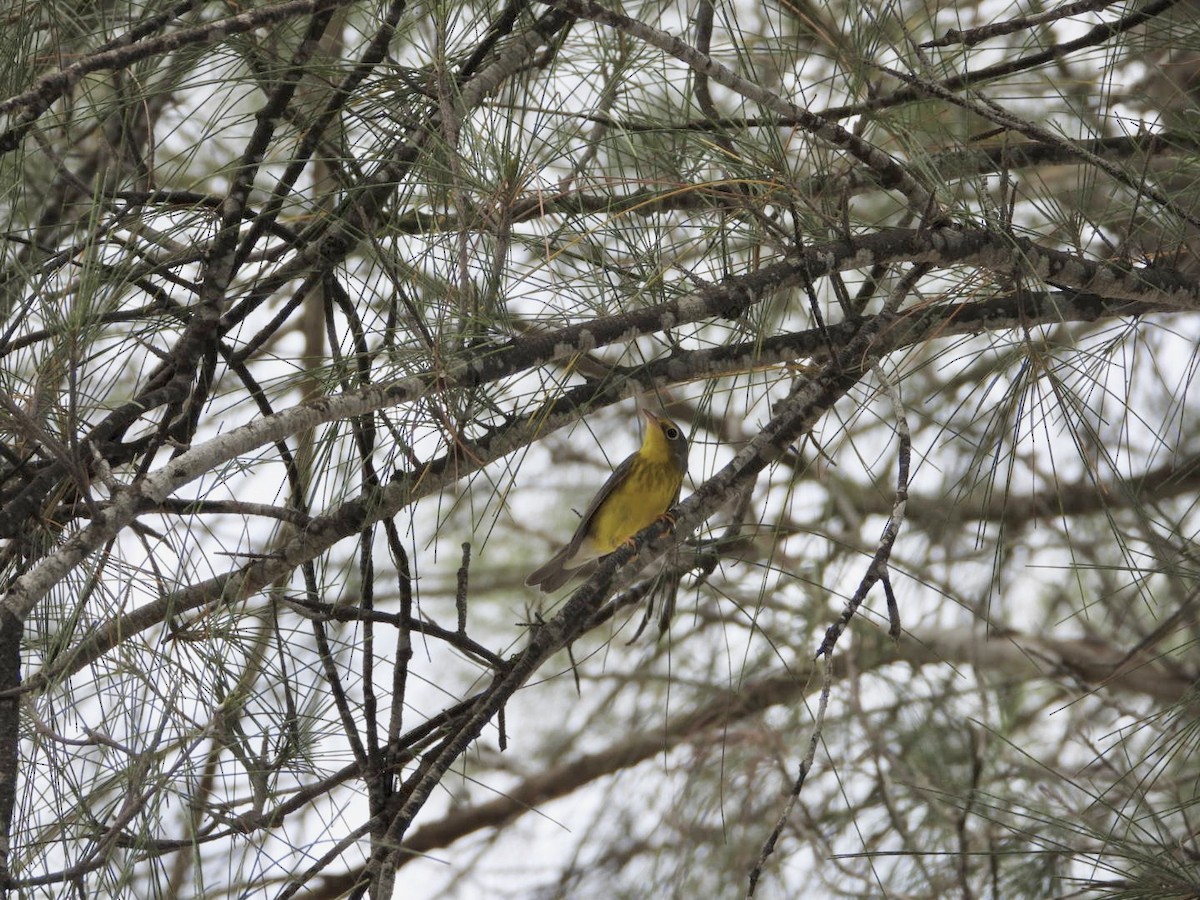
318, 319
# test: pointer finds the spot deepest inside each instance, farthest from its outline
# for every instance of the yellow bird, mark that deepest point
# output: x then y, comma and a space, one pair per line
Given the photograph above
639, 491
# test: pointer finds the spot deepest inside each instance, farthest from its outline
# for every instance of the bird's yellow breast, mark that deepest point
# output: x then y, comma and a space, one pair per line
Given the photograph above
645, 494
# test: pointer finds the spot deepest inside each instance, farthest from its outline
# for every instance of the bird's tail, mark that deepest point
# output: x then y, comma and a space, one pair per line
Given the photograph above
552, 575
555, 573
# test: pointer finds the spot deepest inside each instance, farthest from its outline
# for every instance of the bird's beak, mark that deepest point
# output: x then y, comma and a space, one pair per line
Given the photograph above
651, 416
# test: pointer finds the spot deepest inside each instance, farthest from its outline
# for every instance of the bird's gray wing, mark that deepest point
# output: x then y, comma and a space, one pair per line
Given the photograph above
619, 474
553, 574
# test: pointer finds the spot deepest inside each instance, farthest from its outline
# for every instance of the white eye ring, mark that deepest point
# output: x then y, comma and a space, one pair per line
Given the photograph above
671, 433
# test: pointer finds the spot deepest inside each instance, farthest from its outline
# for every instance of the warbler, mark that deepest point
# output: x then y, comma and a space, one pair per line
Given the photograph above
638, 491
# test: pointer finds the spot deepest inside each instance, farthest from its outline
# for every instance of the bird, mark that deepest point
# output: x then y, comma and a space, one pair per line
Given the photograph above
639, 491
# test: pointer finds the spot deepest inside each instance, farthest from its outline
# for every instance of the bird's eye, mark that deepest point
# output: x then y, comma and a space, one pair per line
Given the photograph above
671, 433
